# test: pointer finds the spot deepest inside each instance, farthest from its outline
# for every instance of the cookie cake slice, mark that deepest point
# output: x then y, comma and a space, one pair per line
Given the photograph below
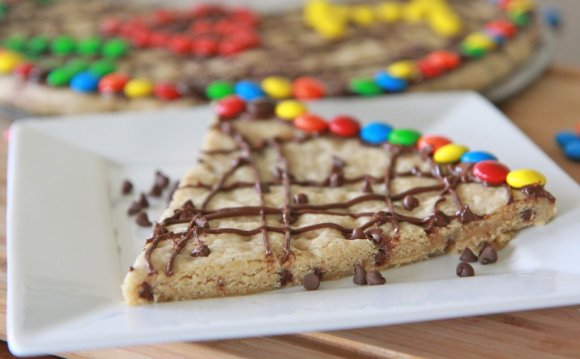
280, 194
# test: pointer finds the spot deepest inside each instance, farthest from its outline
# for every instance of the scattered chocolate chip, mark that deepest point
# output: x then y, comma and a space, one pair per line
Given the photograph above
161, 179
360, 275
146, 292
172, 190
410, 202
156, 191
311, 281
143, 200
375, 235
488, 255
126, 187
285, 277
188, 205
134, 208
468, 256
467, 216
375, 278
367, 186
260, 109
318, 272
464, 270
483, 246
357, 233
528, 215
336, 179
201, 250
131, 269
300, 198
143, 220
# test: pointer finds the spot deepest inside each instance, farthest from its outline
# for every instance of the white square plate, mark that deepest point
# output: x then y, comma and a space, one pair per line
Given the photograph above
70, 242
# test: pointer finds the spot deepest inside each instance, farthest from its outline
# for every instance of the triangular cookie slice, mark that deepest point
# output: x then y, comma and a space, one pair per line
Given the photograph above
273, 200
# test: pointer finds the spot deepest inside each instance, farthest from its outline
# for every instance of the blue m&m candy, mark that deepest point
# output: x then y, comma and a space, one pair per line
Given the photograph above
566, 137
552, 17
248, 90
84, 82
375, 133
572, 150
389, 82
477, 156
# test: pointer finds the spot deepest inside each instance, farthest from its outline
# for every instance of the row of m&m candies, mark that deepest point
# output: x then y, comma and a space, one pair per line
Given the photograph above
275, 87
66, 45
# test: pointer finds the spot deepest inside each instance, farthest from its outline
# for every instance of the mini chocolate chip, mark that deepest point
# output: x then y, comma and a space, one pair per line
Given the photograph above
126, 187
161, 179
134, 208
131, 269
156, 191
528, 215
201, 250
410, 202
188, 205
483, 246
467, 216
143, 220
146, 292
311, 281
143, 200
357, 233
285, 277
336, 179
318, 272
375, 278
300, 198
375, 234
488, 255
360, 275
468, 256
367, 187
464, 270
261, 109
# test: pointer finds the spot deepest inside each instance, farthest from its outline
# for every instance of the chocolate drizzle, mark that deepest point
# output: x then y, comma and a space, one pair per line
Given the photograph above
295, 205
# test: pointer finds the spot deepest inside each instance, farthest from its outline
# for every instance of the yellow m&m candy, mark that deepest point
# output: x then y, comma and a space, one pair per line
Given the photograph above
8, 61
480, 40
362, 15
330, 29
388, 11
314, 10
290, 109
403, 69
414, 11
449, 153
445, 24
277, 87
525, 177
138, 88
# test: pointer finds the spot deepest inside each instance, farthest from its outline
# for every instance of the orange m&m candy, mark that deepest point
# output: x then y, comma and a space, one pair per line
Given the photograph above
307, 88
113, 83
444, 60
432, 143
310, 123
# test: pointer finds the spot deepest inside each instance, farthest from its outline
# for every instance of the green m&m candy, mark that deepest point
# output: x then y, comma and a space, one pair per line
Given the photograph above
473, 51
76, 65
89, 46
37, 45
519, 17
404, 137
15, 42
365, 87
59, 76
63, 45
115, 48
219, 89
101, 68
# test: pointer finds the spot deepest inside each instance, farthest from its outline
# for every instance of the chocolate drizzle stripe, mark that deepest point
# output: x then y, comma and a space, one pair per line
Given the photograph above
286, 212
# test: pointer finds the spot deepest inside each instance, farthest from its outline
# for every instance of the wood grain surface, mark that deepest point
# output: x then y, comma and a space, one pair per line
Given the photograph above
547, 107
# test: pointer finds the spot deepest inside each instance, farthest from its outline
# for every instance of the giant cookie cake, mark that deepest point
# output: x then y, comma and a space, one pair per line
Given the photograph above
283, 197
70, 56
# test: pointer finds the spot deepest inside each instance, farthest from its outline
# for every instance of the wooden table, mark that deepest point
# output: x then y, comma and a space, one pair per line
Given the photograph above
552, 104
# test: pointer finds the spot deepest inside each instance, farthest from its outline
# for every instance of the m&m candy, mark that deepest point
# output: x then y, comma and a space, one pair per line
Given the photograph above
113, 83
444, 60
375, 133
166, 91
570, 143
219, 89
8, 61
502, 27
248, 90
230, 107
277, 87
23, 70
344, 126
404, 137
290, 109
490, 171
115, 48
15, 42
37, 45
477, 156
403, 69
525, 177
138, 88
449, 153
59, 76
310, 123
101, 68
307, 88
572, 150
77, 65
90, 46
432, 143
84, 82
63, 45
390, 83
365, 87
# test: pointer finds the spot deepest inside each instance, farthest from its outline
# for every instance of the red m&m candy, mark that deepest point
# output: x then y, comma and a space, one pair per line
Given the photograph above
180, 44
502, 27
307, 88
432, 143
201, 27
111, 26
428, 69
159, 39
205, 47
22, 70
113, 83
490, 171
245, 16
230, 107
166, 91
444, 60
310, 123
344, 126
163, 17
